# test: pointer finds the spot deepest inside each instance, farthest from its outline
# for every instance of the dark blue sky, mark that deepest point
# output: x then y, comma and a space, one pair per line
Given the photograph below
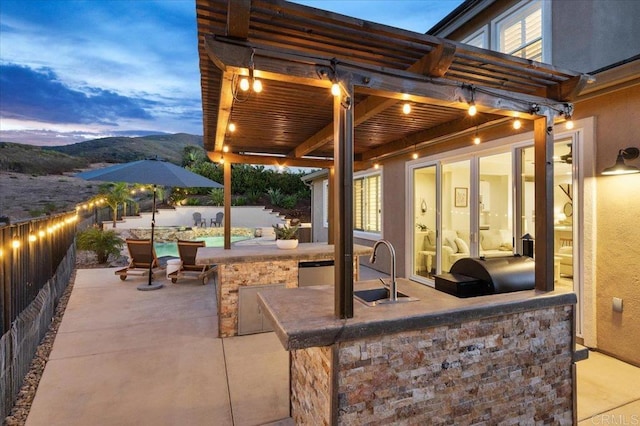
72, 70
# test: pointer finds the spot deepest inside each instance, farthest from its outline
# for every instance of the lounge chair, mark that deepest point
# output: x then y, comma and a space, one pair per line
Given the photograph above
188, 250
141, 254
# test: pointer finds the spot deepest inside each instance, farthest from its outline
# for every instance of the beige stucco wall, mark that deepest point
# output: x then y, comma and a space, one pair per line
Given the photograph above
618, 226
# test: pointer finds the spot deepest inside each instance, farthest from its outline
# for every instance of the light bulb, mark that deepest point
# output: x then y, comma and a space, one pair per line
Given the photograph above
376, 166
232, 127
15, 244
414, 156
41, 234
257, 86
476, 140
225, 148
569, 124
517, 124
221, 161
406, 108
244, 84
32, 238
335, 89
472, 109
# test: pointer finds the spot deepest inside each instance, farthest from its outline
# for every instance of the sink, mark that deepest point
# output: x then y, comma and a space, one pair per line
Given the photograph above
379, 296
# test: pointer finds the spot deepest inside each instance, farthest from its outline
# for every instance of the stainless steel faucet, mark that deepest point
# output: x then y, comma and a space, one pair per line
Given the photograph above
393, 288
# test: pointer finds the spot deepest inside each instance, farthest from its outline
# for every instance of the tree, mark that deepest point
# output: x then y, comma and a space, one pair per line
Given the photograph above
117, 194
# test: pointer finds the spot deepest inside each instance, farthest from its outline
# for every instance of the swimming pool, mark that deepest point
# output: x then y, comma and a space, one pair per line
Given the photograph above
171, 249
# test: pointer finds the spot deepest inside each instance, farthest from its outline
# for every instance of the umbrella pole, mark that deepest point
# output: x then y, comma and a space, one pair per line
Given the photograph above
151, 286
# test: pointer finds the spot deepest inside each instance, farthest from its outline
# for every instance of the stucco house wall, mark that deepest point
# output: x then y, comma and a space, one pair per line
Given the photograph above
618, 227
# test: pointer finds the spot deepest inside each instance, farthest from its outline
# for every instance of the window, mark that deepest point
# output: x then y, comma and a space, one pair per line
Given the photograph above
520, 32
367, 206
478, 39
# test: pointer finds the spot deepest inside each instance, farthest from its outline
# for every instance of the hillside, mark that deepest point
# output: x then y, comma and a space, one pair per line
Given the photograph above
122, 149
34, 160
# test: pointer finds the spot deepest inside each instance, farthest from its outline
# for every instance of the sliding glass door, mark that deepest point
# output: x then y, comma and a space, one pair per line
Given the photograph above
425, 190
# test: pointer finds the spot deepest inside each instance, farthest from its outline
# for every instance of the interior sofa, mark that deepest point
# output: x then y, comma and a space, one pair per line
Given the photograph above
455, 246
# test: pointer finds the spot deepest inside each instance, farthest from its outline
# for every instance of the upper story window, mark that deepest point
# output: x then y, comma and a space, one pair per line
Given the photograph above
367, 203
521, 32
478, 39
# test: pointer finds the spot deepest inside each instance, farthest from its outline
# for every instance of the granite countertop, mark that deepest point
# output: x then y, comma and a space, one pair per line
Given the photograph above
304, 317
261, 253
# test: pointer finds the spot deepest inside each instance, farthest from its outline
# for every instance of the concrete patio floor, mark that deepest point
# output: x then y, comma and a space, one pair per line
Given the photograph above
124, 357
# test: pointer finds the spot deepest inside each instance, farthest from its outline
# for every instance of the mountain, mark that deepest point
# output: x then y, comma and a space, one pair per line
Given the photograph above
36, 160
122, 149
30, 159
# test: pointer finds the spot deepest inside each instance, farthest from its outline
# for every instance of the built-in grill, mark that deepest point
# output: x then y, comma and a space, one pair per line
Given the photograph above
479, 276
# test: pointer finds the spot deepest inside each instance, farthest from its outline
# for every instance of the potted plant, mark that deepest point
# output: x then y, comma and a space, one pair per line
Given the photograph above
286, 236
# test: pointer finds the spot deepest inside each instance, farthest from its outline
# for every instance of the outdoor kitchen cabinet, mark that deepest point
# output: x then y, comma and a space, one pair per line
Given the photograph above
250, 316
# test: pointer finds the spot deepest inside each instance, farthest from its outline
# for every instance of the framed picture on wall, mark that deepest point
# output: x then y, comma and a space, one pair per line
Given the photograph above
461, 197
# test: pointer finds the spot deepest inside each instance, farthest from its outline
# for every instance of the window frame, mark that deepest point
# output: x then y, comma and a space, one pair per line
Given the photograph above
361, 233
518, 12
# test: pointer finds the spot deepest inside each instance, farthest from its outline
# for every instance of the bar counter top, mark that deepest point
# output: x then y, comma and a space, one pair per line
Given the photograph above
304, 317
262, 253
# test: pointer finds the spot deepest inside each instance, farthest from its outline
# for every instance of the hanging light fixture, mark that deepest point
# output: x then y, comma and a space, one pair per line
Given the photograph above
244, 84
476, 138
620, 168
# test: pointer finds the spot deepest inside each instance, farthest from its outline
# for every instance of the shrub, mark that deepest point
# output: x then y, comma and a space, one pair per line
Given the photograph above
289, 202
217, 197
239, 201
275, 196
193, 202
102, 243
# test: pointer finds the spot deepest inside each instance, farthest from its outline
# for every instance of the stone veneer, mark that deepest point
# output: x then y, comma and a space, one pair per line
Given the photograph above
509, 369
232, 276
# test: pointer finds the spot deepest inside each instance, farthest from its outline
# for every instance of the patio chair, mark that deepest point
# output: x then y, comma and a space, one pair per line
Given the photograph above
218, 220
198, 221
188, 250
141, 254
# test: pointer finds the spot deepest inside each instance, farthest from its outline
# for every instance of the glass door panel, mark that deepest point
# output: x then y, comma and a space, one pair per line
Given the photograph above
563, 211
495, 204
454, 241
424, 221
527, 197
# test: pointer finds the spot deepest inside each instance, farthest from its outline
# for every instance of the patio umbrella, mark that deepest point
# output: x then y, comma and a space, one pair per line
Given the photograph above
152, 172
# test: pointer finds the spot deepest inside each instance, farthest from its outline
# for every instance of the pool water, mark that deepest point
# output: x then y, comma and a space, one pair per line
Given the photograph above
171, 249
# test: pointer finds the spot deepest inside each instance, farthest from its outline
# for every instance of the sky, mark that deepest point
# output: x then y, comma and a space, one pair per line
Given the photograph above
75, 70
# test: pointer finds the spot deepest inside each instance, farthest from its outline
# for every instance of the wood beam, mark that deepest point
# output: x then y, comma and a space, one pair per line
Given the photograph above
238, 16
289, 66
447, 129
343, 206
570, 89
330, 207
437, 62
544, 241
224, 110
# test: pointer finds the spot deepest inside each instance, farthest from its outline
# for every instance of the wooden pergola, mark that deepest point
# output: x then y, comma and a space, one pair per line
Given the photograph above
299, 53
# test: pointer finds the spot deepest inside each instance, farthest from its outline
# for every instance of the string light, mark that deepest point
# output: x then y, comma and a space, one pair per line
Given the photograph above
41, 233
406, 108
517, 124
32, 238
15, 243
257, 86
473, 110
225, 148
232, 127
244, 84
335, 89
376, 166
476, 139
569, 124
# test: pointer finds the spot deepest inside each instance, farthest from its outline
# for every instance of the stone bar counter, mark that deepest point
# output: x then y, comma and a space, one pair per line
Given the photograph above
260, 265
498, 359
